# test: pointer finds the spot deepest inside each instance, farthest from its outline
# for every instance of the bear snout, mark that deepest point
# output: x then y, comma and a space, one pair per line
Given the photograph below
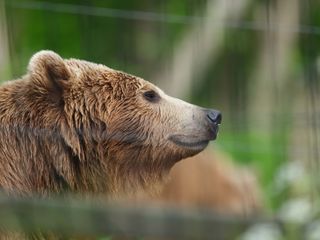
214, 119
214, 116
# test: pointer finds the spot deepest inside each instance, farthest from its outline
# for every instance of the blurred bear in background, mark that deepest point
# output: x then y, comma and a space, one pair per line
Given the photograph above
210, 180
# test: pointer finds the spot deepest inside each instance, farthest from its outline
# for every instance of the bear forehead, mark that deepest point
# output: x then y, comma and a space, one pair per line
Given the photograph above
92, 74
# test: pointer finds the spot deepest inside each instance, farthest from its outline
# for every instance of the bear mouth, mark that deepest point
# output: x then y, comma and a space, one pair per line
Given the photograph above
181, 141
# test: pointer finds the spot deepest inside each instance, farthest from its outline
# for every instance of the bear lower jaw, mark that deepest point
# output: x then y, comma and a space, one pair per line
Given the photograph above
192, 145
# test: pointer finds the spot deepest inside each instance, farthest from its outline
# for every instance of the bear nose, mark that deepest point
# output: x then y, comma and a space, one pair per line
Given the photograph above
214, 116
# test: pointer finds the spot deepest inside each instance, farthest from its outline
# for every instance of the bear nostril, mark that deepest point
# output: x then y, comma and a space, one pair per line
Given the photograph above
214, 116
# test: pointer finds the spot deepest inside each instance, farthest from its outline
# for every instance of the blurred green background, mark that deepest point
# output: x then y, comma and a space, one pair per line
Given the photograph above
255, 60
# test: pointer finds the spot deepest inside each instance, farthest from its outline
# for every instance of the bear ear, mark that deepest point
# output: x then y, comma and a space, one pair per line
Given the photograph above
48, 65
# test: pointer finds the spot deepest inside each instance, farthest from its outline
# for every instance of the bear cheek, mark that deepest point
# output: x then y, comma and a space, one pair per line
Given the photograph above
125, 134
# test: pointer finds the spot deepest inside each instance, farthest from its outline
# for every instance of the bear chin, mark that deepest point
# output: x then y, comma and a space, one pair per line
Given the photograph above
197, 145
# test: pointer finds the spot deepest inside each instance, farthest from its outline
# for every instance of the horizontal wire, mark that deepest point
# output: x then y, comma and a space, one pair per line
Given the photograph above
158, 17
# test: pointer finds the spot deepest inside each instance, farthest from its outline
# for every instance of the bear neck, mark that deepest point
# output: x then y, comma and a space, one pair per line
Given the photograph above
34, 157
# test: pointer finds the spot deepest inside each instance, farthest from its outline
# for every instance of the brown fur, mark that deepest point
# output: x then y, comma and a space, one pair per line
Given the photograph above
209, 180
71, 125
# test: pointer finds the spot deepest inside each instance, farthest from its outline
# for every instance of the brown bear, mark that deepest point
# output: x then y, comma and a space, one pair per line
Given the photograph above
211, 180
71, 125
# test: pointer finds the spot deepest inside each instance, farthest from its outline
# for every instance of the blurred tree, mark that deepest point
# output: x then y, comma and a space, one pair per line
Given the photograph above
271, 77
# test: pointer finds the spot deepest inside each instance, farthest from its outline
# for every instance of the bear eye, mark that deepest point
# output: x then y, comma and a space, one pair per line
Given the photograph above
151, 96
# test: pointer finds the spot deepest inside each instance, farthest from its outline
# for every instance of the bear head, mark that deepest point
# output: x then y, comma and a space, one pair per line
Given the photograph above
125, 128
